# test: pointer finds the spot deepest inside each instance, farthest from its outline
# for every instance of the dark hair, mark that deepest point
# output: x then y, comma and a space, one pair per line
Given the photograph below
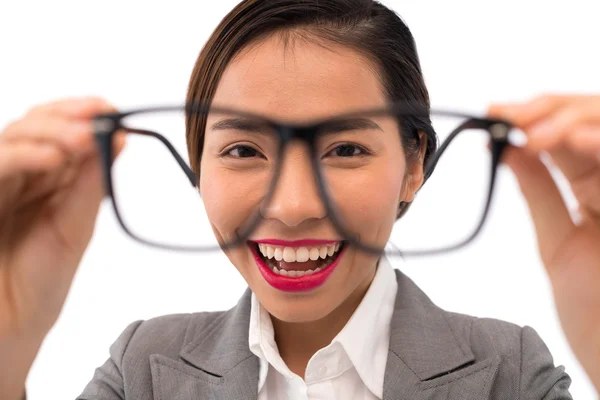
366, 26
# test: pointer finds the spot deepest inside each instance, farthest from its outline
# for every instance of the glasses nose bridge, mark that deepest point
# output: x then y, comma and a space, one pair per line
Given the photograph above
297, 151
303, 133
296, 195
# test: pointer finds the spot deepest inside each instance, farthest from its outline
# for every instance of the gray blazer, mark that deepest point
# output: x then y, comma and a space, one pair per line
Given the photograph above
434, 354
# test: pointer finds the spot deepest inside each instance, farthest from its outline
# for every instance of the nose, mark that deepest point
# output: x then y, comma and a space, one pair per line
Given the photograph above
296, 197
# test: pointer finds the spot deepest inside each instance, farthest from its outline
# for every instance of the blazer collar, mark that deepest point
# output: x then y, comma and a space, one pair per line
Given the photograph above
422, 346
220, 346
421, 334
215, 361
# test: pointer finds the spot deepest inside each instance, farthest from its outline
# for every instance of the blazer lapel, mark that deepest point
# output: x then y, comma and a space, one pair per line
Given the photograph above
426, 356
427, 359
215, 364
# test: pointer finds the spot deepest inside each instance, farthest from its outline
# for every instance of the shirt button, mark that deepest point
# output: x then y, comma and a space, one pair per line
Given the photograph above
322, 370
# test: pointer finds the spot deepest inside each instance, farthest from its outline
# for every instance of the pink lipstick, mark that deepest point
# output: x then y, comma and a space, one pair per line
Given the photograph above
296, 243
294, 284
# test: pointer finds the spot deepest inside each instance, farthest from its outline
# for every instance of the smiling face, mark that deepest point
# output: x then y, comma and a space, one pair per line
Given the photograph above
365, 169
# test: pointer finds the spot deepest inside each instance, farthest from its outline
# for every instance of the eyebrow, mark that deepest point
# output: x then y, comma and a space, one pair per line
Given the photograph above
326, 128
345, 125
242, 124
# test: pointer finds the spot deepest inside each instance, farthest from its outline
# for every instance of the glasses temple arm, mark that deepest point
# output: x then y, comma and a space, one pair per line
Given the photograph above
182, 164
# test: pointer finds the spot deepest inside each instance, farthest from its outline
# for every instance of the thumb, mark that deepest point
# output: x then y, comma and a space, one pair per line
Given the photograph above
81, 204
88, 190
549, 213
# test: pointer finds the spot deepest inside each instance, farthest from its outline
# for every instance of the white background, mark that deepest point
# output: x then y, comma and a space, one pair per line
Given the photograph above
141, 53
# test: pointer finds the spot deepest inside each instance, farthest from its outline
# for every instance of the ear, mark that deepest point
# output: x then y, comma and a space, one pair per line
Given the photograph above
415, 173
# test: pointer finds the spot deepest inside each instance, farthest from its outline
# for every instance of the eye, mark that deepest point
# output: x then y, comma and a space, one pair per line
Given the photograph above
347, 150
241, 151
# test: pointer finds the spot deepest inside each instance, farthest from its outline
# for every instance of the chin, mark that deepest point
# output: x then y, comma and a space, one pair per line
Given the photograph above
300, 311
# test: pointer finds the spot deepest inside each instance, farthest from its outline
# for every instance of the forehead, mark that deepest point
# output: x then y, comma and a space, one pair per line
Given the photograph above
300, 80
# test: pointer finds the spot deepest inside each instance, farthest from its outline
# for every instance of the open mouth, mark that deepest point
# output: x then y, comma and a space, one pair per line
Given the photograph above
298, 267
298, 261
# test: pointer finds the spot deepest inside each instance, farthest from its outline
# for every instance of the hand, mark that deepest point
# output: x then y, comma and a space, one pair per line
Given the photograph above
50, 192
567, 128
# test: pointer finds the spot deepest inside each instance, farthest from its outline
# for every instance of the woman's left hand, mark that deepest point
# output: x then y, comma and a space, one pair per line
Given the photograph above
567, 128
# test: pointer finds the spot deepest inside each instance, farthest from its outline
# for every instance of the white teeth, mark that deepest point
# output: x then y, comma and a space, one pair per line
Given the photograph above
323, 252
314, 253
289, 255
330, 250
298, 254
278, 254
302, 254
296, 274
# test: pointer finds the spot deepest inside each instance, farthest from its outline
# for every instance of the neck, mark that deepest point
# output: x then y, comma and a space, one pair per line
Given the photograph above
297, 342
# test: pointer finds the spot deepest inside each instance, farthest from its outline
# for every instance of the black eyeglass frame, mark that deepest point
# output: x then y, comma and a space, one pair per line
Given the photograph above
107, 125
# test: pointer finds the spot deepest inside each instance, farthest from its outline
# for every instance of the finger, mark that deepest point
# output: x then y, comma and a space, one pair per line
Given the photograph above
573, 164
555, 128
63, 175
23, 157
119, 142
73, 135
80, 202
42, 184
586, 140
583, 173
84, 107
550, 216
524, 114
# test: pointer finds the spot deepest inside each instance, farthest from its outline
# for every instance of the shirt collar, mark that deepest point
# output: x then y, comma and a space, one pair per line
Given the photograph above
261, 340
369, 326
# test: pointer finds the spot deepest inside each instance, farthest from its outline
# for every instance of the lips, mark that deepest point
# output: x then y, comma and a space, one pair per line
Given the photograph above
295, 276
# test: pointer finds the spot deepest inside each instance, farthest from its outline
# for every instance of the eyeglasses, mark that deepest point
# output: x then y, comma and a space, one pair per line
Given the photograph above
359, 162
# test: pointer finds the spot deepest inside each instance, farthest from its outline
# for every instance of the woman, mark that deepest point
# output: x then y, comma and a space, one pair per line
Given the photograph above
277, 344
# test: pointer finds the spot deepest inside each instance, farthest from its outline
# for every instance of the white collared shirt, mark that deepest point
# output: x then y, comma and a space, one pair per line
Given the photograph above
351, 367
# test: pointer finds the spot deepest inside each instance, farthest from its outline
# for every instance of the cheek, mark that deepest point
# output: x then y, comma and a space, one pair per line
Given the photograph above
369, 206
230, 197
224, 203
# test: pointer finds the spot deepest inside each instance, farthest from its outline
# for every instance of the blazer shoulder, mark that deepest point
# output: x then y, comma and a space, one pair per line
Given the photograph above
165, 334
127, 370
526, 360
487, 336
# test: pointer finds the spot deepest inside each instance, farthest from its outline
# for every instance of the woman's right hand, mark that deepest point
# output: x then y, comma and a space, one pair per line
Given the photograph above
51, 187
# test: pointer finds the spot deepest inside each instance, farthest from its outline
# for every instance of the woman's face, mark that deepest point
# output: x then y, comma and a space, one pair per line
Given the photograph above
367, 176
